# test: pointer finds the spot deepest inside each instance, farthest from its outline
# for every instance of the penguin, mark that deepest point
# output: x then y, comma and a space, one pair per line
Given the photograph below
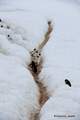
40, 57
33, 52
9, 37
34, 67
32, 64
68, 82
37, 58
1, 26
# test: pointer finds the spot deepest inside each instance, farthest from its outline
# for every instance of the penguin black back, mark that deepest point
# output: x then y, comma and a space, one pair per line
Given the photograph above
68, 82
35, 69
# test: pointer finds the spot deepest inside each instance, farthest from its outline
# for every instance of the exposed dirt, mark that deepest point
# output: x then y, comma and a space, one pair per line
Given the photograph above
47, 36
42, 89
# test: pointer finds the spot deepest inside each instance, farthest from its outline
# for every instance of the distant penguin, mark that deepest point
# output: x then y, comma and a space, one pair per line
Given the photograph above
33, 52
34, 67
1, 25
67, 82
9, 37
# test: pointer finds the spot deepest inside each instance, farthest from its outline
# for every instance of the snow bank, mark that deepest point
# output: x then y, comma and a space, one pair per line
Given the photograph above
61, 60
53, 110
18, 92
14, 50
31, 27
19, 95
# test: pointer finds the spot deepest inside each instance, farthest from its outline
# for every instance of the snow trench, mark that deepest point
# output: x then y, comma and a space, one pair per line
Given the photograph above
42, 89
12, 49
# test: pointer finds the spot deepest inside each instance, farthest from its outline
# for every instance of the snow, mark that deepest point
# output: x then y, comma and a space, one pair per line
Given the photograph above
29, 30
61, 60
19, 94
18, 91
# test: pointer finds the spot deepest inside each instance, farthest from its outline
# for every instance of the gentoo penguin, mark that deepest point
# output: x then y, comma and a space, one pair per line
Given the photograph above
68, 82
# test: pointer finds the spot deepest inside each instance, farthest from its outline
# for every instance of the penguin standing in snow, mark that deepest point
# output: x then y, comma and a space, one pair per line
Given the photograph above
9, 37
68, 82
34, 67
40, 58
33, 52
4, 25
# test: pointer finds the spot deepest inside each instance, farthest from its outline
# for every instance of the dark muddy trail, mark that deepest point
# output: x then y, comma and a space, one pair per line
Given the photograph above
42, 89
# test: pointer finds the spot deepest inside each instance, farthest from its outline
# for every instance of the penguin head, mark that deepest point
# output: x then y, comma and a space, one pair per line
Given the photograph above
34, 49
8, 35
66, 80
1, 25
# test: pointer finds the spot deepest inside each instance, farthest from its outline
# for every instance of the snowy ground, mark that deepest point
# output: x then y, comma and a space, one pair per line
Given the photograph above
19, 93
